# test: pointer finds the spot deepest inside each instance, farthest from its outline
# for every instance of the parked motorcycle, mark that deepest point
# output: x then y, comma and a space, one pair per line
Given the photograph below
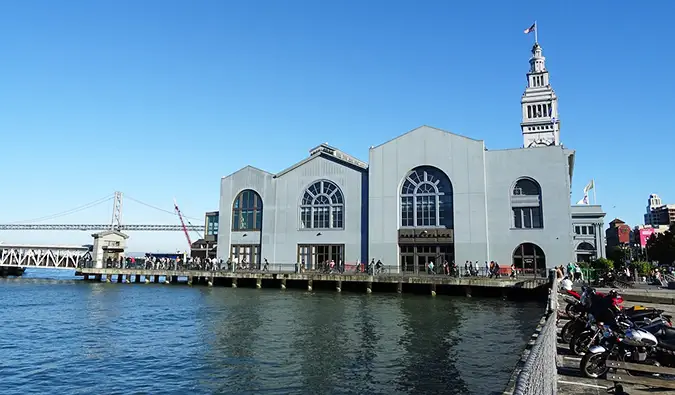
627, 345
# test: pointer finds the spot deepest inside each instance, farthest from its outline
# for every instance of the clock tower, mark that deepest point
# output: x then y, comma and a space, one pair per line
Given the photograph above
540, 125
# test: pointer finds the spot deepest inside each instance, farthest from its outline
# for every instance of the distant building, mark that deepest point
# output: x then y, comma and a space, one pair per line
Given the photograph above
589, 239
425, 196
642, 233
211, 225
207, 246
618, 234
659, 213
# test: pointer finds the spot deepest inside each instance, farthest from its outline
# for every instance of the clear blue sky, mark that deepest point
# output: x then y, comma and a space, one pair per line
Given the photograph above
160, 99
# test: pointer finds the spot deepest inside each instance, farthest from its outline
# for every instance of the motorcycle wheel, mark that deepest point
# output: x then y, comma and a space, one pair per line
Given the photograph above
579, 344
571, 310
568, 331
594, 365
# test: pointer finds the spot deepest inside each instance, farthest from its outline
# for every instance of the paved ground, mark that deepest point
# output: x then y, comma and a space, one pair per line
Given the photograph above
570, 379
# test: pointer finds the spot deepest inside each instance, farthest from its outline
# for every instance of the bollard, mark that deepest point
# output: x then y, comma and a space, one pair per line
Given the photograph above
338, 286
433, 289
283, 284
309, 285
258, 283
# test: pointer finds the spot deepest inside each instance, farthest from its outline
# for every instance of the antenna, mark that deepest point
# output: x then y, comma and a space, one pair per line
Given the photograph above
116, 221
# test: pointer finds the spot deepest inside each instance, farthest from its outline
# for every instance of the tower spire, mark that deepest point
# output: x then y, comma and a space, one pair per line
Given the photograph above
540, 124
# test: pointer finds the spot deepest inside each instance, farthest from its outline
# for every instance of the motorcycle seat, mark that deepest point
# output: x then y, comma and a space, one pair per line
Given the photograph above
667, 334
667, 344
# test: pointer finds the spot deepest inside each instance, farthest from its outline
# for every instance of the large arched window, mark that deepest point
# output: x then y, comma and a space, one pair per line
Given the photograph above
426, 199
322, 206
526, 204
247, 211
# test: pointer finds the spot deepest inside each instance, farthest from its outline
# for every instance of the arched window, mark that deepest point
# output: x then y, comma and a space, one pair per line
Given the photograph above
526, 205
322, 206
584, 246
426, 199
247, 211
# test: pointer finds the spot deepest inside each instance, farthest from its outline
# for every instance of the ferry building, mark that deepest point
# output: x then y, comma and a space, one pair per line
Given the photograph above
426, 195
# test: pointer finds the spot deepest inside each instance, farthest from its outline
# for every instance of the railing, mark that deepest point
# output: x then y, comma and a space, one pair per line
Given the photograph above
539, 375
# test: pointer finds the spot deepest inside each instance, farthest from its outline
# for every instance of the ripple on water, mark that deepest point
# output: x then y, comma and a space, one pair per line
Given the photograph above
71, 337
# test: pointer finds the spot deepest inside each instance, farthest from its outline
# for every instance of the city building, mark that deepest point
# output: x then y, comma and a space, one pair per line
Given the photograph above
208, 245
659, 213
618, 234
589, 239
642, 233
425, 196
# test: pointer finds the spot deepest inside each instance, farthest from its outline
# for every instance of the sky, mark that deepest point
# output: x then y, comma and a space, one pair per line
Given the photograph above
159, 99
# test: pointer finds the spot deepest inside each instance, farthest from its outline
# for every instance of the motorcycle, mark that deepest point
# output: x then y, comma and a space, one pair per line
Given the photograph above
651, 322
621, 344
579, 322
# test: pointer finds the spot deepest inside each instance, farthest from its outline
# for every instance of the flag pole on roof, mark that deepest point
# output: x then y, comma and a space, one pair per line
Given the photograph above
531, 29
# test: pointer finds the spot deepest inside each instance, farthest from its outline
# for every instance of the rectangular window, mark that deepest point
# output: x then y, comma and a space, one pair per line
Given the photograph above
337, 217
305, 217
250, 253
591, 230
527, 218
517, 218
583, 230
529, 111
536, 218
407, 211
577, 230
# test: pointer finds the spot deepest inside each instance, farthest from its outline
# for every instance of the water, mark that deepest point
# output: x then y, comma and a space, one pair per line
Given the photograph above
72, 337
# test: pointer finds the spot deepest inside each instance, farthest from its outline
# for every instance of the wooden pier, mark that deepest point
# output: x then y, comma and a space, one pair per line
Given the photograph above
401, 283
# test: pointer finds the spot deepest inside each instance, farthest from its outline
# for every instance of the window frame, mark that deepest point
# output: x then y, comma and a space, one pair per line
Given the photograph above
239, 206
526, 217
322, 206
415, 206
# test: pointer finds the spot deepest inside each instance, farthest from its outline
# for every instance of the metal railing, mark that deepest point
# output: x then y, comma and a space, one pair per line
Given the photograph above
539, 375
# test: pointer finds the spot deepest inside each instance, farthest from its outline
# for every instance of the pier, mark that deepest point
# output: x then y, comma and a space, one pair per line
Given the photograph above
359, 282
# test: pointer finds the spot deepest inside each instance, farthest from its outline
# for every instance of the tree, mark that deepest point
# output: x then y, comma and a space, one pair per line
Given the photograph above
617, 255
643, 268
661, 247
603, 264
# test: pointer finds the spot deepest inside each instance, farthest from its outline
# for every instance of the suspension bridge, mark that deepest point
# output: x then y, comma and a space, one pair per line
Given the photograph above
115, 223
20, 256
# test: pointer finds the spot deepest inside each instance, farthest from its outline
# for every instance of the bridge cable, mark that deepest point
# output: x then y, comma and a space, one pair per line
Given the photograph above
67, 212
157, 208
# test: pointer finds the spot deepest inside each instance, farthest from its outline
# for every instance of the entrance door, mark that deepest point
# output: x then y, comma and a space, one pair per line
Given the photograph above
415, 258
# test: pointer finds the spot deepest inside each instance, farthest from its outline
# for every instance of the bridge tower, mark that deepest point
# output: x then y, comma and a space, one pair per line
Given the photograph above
116, 221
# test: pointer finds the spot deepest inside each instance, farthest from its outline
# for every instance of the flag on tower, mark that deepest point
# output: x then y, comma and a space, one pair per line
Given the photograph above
531, 28
584, 200
589, 186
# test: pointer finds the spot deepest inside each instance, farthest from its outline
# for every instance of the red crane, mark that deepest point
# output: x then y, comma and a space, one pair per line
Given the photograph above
182, 222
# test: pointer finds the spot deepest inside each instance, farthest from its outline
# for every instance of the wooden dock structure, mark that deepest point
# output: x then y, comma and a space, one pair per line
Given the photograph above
401, 283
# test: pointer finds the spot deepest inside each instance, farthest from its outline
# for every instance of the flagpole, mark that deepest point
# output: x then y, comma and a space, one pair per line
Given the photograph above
595, 198
536, 32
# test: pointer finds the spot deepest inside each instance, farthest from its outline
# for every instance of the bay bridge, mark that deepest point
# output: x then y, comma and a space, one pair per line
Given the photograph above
74, 256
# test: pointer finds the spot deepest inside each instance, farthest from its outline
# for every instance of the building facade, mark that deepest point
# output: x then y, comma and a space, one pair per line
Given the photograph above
425, 196
658, 213
588, 235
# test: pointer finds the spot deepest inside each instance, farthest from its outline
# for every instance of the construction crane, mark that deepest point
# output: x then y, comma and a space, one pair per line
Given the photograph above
182, 223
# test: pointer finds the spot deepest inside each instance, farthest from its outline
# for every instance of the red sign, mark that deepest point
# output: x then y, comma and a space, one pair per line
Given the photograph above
645, 234
624, 234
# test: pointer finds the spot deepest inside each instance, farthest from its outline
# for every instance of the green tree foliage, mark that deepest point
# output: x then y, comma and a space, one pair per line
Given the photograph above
661, 247
643, 268
602, 264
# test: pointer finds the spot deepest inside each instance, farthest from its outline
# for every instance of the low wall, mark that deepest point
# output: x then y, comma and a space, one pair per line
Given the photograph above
537, 373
